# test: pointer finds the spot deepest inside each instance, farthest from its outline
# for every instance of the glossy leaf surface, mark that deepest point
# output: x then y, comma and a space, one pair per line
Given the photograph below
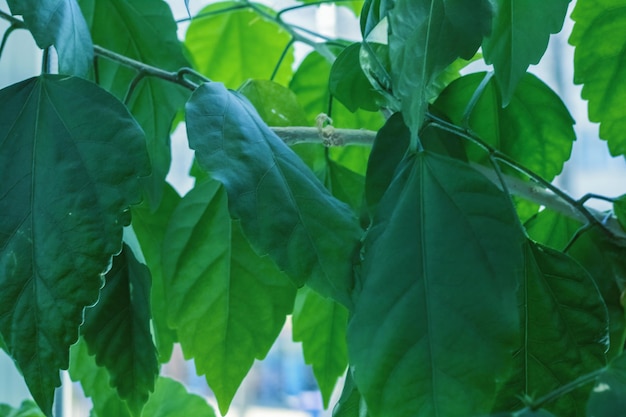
284, 210
422, 316
71, 157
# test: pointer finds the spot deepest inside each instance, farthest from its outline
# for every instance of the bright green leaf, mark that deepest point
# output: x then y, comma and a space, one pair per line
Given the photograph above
600, 66
171, 399
437, 313
284, 210
320, 324
227, 304
519, 38
71, 157
348, 83
535, 129
150, 227
608, 397
234, 46
143, 30
59, 23
117, 330
277, 105
27, 409
425, 37
564, 329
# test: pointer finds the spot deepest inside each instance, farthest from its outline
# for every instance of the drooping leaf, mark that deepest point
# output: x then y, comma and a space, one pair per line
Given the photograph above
350, 404
284, 210
437, 314
425, 37
564, 329
59, 23
28, 408
71, 155
235, 46
608, 397
600, 67
171, 399
143, 30
227, 304
150, 227
276, 104
320, 324
117, 330
535, 129
519, 38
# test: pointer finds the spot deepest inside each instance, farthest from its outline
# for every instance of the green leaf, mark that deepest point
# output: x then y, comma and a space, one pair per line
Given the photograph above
350, 403
600, 66
425, 37
59, 23
564, 327
345, 184
535, 129
608, 397
171, 399
143, 30
619, 208
437, 313
227, 304
311, 85
71, 157
320, 324
28, 408
348, 83
117, 330
276, 105
95, 383
232, 46
552, 229
150, 228
284, 210
519, 37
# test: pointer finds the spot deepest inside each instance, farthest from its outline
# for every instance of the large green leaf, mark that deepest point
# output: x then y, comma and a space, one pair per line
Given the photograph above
27, 409
150, 227
600, 65
277, 105
564, 327
425, 37
71, 155
519, 37
437, 314
284, 210
143, 30
320, 324
117, 330
608, 397
227, 304
535, 129
171, 399
234, 46
59, 23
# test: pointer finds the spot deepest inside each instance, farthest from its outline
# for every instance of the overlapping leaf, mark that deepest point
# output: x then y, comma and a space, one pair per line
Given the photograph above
277, 105
234, 46
284, 210
117, 330
564, 328
226, 303
320, 324
171, 399
350, 404
143, 30
59, 23
608, 397
437, 314
71, 155
600, 66
27, 409
519, 38
424, 38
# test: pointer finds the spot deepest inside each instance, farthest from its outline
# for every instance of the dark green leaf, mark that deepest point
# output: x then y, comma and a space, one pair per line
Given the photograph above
232, 47
348, 83
277, 105
564, 328
437, 312
320, 324
227, 304
350, 403
600, 66
71, 155
143, 30
535, 129
619, 208
345, 184
425, 37
373, 12
171, 399
519, 38
284, 210
117, 330
608, 397
150, 229
27, 409
59, 23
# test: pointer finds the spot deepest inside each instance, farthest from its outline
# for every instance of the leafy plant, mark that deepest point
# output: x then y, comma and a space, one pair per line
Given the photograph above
389, 203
